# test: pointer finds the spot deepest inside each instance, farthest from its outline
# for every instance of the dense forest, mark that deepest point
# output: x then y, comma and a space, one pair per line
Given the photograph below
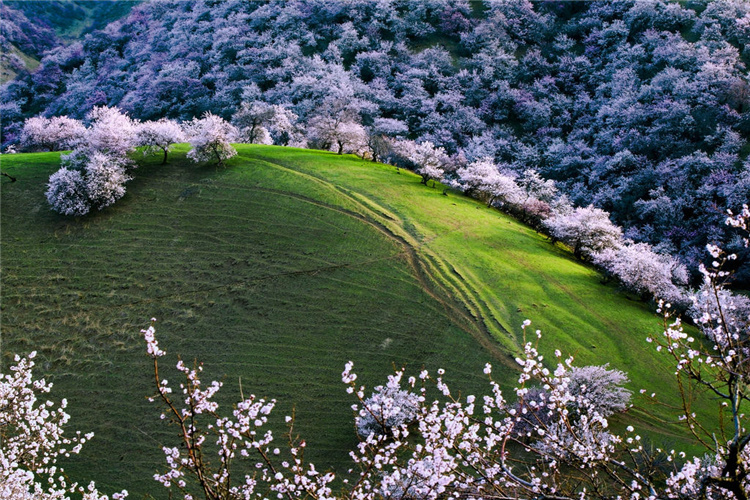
29, 29
639, 108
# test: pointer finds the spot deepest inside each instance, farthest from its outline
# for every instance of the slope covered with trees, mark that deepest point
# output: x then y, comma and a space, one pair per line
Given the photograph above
29, 29
641, 108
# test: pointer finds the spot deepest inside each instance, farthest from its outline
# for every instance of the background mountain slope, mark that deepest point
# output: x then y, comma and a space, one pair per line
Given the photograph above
29, 28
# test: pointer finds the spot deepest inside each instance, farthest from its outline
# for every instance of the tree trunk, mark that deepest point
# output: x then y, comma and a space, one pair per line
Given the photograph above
164, 161
12, 179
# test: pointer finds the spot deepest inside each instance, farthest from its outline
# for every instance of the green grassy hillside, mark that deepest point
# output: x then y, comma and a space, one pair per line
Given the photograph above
277, 270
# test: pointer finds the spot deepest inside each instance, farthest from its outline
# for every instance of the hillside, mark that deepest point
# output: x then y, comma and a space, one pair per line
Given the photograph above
274, 272
31, 28
72, 19
639, 108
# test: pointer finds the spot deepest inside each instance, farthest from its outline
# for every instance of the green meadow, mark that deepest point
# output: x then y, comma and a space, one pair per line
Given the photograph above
274, 272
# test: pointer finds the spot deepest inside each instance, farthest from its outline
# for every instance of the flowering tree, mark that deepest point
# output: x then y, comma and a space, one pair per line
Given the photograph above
337, 134
111, 131
242, 436
719, 368
252, 121
378, 134
95, 172
32, 439
483, 177
159, 136
388, 407
537, 187
284, 129
430, 161
644, 271
66, 193
602, 386
105, 178
51, 134
88, 179
586, 230
209, 137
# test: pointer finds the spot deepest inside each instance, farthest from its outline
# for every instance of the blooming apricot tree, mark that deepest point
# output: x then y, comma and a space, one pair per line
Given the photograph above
52, 134
252, 121
94, 174
430, 161
483, 177
111, 131
209, 137
586, 229
66, 193
32, 439
718, 366
159, 136
644, 271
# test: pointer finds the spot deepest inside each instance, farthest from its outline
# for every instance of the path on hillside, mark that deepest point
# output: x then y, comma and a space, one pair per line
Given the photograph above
437, 276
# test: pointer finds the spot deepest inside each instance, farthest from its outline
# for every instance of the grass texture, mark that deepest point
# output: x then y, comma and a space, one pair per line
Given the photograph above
274, 272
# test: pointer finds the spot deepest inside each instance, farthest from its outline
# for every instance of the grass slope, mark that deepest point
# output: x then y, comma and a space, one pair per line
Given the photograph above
277, 270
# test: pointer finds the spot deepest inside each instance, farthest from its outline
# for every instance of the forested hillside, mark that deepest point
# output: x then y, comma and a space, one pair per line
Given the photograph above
641, 108
28, 29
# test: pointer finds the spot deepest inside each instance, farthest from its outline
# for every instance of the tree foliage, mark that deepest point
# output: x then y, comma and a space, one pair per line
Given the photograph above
51, 134
159, 136
33, 440
209, 139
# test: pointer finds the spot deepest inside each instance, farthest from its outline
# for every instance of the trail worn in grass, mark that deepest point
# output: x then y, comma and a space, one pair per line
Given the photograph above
277, 270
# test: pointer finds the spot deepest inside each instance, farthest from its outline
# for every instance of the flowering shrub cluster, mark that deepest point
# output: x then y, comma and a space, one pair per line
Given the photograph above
32, 439
94, 174
209, 138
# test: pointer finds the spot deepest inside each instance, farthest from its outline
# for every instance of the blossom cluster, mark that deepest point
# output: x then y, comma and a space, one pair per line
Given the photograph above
412, 445
94, 174
715, 366
32, 439
209, 137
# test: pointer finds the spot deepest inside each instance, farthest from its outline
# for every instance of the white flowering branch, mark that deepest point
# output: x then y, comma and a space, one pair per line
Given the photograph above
32, 439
